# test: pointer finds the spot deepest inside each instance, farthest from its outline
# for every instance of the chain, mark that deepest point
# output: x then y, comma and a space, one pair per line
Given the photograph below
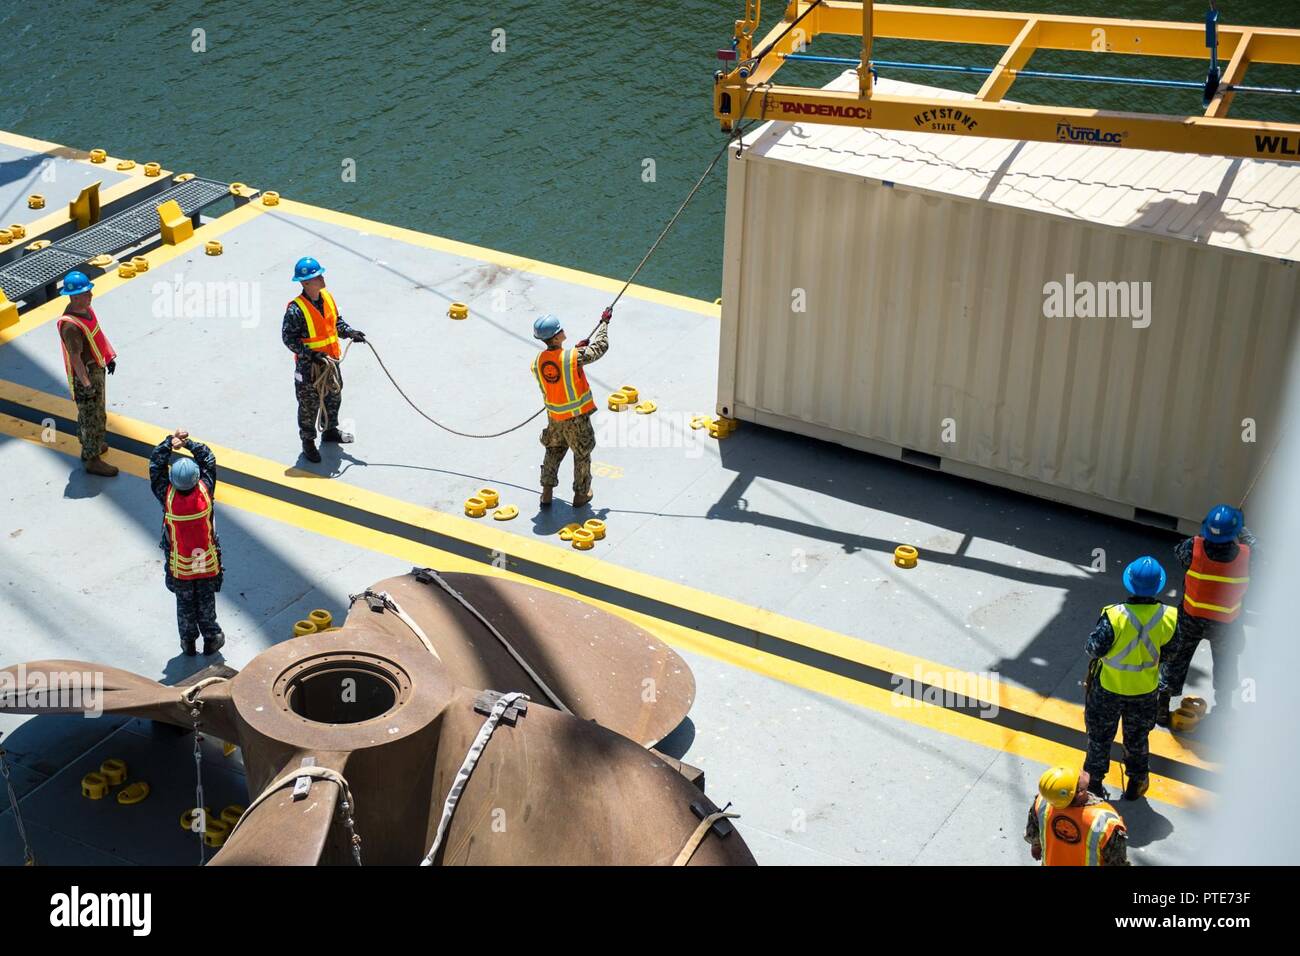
29, 858
345, 807
200, 815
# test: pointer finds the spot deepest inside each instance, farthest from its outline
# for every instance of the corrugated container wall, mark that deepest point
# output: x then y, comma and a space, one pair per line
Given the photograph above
901, 320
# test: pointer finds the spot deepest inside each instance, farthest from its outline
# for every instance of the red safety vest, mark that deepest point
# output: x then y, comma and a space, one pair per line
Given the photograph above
1213, 589
1075, 836
322, 327
191, 534
563, 383
94, 333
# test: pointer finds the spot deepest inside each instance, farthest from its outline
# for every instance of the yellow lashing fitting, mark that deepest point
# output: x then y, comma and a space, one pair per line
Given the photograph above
905, 556
491, 497
618, 401
19, 232
140, 264
566, 533
475, 506
722, 427
6, 237
187, 818
113, 770
133, 793
303, 628
125, 270
98, 155
94, 786
37, 245
270, 198
213, 248
152, 169
1188, 715
125, 164
631, 394
596, 527
646, 408
35, 201
458, 310
506, 513
718, 301
101, 261
227, 748
237, 189
583, 539
701, 421
321, 618
182, 177
216, 832
231, 814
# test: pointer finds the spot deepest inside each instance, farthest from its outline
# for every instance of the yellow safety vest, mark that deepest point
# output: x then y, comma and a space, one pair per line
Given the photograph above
1132, 666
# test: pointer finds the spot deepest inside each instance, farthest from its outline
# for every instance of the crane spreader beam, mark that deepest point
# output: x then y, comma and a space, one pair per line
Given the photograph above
747, 90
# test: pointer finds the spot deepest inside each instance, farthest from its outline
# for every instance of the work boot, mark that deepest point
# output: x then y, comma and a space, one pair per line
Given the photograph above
1162, 708
213, 644
1137, 786
1097, 788
97, 466
309, 450
580, 500
548, 495
336, 437
187, 648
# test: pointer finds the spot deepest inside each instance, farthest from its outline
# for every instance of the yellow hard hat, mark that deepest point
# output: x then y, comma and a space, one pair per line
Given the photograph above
1058, 786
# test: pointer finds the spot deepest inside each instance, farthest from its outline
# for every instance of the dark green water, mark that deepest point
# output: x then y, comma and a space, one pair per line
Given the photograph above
537, 150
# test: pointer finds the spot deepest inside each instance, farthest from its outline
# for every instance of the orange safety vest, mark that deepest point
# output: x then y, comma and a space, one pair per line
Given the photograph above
94, 333
1075, 836
191, 534
1213, 589
322, 328
564, 384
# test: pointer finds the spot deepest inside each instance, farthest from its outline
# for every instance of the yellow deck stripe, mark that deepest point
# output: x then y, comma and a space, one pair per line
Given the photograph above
937, 718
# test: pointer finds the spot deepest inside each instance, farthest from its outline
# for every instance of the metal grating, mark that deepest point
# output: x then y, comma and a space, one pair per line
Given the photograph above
22, 277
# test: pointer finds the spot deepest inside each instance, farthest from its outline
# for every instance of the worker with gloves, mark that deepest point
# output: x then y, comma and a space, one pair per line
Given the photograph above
1071, 826
569, 403
311, 330
87, 355
1217, 565
1126, 648
186, 488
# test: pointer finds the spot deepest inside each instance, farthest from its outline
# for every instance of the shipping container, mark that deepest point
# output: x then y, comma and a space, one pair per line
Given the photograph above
1105, 327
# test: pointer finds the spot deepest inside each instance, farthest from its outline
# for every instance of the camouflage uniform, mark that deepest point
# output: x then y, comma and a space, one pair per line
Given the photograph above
1104, 709
196, 601
306, 366
1225, 639
574, 433
91, 417
1114, 853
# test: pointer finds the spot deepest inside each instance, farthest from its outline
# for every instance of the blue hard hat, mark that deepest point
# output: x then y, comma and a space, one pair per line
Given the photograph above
307, 268
184, 474
1222, 524
75, 283
547, 327
1144, 577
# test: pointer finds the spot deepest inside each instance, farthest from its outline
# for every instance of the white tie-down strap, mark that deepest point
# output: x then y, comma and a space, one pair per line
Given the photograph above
467, 768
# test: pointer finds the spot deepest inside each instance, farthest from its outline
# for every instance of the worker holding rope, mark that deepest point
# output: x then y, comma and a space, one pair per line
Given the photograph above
569, 403
311, 330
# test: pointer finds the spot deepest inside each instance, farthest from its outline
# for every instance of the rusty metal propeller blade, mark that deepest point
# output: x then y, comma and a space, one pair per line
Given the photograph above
292, 825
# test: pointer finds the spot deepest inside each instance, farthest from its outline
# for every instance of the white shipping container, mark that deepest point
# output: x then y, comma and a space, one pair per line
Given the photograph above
893, 292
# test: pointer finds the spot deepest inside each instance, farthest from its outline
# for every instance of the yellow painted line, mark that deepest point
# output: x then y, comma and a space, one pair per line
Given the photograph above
49, 311
504, 259
937, 718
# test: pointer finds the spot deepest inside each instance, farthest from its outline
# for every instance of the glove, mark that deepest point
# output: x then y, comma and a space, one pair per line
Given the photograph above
584, 343
112, 366
607, 314
1036, 851
358, 336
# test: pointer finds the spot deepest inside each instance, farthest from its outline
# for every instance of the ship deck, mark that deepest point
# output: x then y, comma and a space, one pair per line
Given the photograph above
765, 558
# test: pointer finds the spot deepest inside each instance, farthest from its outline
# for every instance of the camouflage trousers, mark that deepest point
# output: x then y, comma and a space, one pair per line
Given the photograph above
91, 423
1225, 645
558, 438
196, 612
309, 399
1102, 714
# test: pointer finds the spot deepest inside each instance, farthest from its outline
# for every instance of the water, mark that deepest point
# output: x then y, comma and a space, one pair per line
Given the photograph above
539, 150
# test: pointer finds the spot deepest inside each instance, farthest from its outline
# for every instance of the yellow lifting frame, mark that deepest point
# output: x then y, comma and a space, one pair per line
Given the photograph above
747, 91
